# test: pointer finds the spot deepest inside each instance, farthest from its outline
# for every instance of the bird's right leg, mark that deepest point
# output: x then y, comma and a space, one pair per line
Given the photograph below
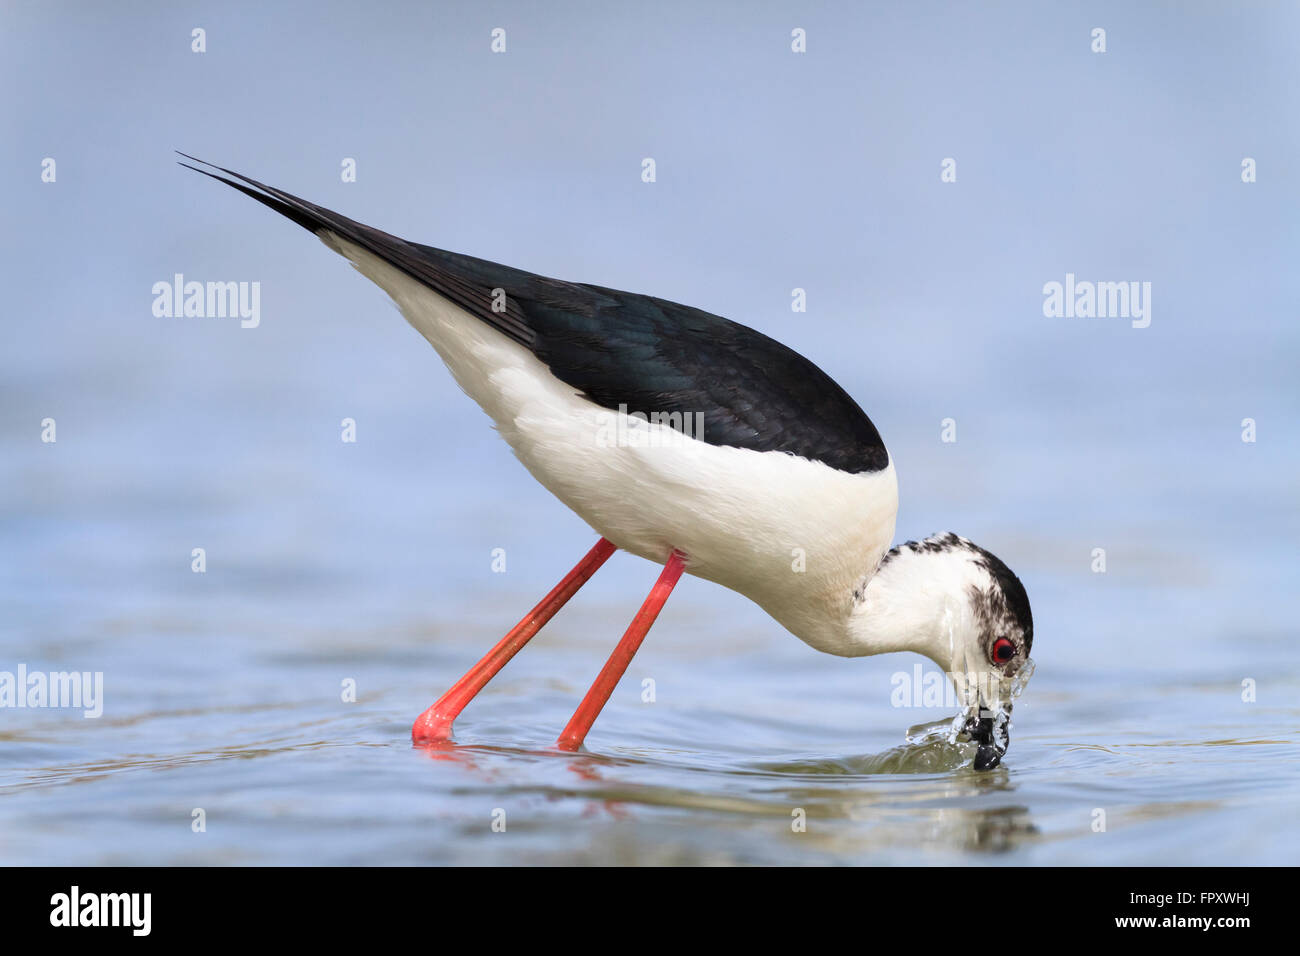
434, 724
576, 730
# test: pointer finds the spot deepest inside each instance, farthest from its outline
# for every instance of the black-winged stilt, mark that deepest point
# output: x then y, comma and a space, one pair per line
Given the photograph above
701, 445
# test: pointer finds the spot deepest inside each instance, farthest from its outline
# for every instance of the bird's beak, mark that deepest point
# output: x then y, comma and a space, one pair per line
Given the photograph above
989, 722
988, 728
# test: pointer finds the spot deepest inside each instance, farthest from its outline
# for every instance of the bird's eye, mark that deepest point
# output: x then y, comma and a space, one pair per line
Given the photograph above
1003, 650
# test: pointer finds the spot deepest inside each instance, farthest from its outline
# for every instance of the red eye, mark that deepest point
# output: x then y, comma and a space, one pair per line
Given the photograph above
1003, 650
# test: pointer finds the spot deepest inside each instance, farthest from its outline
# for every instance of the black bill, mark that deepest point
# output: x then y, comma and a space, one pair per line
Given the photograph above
989, 729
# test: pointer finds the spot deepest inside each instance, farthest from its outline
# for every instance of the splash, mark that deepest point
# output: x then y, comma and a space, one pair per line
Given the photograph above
988, 726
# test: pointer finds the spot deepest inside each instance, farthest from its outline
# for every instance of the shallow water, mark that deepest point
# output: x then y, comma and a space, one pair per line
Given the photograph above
223, 691
331, 562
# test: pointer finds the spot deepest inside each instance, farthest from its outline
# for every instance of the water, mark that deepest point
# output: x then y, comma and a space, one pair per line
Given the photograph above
223, 692
1163, 723
372, 562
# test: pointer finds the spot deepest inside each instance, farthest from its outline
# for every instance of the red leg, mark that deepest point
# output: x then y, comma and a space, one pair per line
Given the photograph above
435, 723
576, 730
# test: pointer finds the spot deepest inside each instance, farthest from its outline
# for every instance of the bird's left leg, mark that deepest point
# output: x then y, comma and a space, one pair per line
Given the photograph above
576, 730
434, 725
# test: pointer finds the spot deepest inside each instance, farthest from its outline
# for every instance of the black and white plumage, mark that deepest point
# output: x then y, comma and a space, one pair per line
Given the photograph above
786, 493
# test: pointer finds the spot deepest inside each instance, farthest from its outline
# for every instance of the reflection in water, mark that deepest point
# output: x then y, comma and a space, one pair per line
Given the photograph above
844, 790
996, 830
316, 781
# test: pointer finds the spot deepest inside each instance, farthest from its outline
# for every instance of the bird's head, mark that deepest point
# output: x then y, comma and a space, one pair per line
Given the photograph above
959, 605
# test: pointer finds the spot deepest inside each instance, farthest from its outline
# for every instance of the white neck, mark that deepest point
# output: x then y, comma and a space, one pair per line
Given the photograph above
917, 601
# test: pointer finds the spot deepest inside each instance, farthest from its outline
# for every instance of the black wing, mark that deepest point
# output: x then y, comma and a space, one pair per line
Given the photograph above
621, 348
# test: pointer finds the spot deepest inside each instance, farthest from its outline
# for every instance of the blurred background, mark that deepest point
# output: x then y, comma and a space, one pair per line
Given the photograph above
371, 562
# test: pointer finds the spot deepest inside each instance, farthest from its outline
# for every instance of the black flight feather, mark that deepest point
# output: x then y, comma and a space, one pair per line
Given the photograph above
620, 348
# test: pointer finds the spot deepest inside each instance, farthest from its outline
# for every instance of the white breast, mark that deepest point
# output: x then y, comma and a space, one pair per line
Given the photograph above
793, 535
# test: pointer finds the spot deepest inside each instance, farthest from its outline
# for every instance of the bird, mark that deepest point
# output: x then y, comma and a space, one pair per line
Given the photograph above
701, 445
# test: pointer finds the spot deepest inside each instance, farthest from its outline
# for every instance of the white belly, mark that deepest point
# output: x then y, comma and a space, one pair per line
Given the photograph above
793, 535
